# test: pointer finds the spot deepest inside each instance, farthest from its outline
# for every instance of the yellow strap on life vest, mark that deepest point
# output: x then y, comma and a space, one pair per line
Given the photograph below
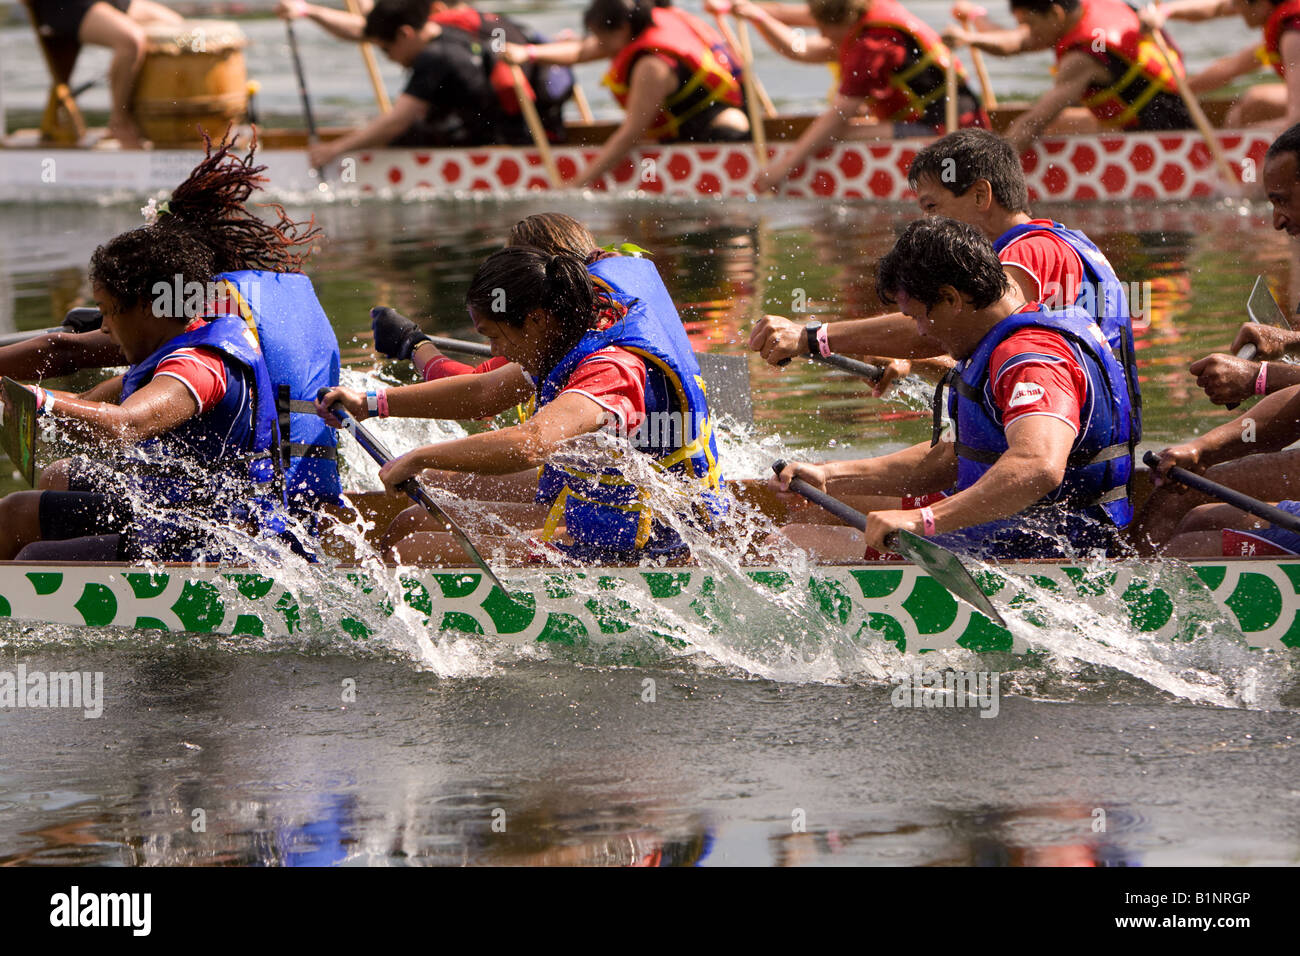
246, 313
1147, 54
1265, 57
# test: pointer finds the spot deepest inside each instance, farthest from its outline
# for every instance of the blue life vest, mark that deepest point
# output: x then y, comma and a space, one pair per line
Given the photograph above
218, 462
302, 356
1095, 487
597, 505
1102, 296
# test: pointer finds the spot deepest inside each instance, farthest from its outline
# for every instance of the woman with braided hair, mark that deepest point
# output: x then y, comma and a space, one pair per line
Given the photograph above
221, 338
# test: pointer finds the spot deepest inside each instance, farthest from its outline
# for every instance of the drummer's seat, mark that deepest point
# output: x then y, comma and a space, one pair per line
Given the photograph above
61, 122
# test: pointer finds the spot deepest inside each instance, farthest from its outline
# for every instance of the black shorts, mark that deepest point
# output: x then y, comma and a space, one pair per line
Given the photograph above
81, 514
61, 19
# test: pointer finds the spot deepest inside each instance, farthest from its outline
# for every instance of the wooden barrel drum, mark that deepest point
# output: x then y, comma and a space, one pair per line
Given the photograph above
193, 75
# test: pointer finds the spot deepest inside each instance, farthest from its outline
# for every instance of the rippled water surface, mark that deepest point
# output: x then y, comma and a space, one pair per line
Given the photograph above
764, 744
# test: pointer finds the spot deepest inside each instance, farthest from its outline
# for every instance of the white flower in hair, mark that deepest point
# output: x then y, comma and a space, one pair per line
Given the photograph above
154, 209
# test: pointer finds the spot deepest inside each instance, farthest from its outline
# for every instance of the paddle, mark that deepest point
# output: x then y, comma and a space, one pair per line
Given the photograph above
865, 370
380, 453
726, 376
580, 101
950, 118
1263, 310
1194, 108
729, 36
945, 567
368, 54
977, 58
18, 427
1260, 509
535, 127
750, 82
312, 135
82, 319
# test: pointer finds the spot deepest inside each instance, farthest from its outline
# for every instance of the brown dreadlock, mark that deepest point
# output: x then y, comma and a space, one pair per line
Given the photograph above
211, 203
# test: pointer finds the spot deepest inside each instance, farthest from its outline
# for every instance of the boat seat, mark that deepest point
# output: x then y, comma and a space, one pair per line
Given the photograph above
62, 122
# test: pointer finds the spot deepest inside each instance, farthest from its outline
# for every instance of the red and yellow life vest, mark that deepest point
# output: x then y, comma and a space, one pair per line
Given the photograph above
714, 78
1271, 54
480, 26
1109, 31
919, 84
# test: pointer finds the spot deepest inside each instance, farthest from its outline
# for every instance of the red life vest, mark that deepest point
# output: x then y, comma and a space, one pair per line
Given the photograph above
714, 78
1134, 61
919, 86
1282, 14
481, 26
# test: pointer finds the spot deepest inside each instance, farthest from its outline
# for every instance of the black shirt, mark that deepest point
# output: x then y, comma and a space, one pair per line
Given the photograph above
451, 76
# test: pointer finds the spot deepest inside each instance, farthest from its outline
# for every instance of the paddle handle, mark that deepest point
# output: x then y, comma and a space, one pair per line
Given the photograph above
950, 118
481, 349
850, 516
368, 55
871, 373
535, 128
302, 81
1260, 509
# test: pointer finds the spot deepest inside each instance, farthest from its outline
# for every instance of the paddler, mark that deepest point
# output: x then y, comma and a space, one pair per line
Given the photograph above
672, 73
976, 178
601, 364
1041, 460
453, 96
118, 25
1104, 61
1280, 21
488, 32
255, 278
890, 62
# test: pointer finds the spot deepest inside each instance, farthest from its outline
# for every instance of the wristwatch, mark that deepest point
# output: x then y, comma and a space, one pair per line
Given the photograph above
814, 349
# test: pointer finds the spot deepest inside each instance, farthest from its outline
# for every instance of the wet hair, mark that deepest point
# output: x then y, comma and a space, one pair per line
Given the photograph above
554, 232
514, 281
1288, 142
131, 265
935, 252
389, 16
962, 158
837, 12
206, 230
1045, 6
606, 15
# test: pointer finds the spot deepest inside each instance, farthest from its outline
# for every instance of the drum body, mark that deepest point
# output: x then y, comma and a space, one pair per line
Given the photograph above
193, 76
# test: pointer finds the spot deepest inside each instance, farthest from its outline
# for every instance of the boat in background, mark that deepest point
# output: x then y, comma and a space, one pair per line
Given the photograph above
1081, 168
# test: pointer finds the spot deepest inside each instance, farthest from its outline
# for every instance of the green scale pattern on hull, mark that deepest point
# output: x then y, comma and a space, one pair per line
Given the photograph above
895, 603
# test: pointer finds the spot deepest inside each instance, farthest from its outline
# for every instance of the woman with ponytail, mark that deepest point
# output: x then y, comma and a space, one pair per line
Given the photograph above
189, 438
589, 356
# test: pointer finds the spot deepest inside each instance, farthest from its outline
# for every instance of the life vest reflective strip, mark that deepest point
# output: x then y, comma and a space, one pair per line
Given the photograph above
302, 356
1271, 52
651, 330
1146, 73
1100, 464
911, 97
1101, 295
679, 36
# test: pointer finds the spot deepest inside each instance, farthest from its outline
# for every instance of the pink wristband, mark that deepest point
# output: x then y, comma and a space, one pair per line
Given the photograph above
823, 342
381, 403
927, 521
1261, 380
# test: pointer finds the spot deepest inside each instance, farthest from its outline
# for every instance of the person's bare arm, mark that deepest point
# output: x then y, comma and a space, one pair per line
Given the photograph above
920, 469
158, 407
1078, 72
339, 23
651, 83
1038, 448
998, 42
109, 390
777, 338
561, 52
795, 44
506, 450
59, 353
821, 131
468, 396
380, 131
1224, 70
1154, 15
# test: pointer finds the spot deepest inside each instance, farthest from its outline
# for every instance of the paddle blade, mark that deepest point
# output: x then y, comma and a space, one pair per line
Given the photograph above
1263, 308
18, 428
727, 380
947, 570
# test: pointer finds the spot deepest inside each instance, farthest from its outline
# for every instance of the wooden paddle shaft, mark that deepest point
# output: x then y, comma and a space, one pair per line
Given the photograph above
990, 98
535, 125
1260, 509
580, 101
950, 98
751, 96
368, 54
1194, 108
733, 41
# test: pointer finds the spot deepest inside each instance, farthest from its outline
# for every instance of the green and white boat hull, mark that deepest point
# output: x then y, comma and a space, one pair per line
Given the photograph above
892, 602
